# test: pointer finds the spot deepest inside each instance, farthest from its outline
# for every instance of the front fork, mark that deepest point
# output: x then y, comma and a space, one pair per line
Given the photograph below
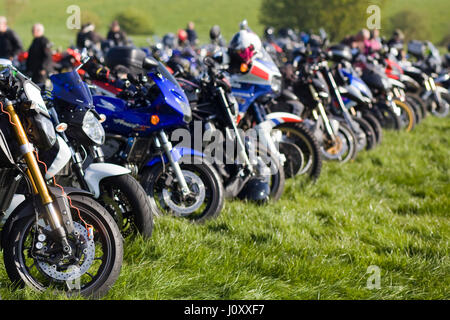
345, 113
161, 141
34, 174
392, 104
430, 85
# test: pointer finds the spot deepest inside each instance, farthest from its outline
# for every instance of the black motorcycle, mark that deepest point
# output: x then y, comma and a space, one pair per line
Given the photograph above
254, 173
57, 237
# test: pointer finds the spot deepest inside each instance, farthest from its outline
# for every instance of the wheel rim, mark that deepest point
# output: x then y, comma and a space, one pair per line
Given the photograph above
117, 204
407, 116
343, 148
37, 272
194, 208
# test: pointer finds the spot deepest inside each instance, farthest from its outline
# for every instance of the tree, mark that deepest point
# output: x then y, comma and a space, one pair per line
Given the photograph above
337, 17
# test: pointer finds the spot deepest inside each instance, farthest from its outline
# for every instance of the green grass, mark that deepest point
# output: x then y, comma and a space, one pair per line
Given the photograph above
389, 208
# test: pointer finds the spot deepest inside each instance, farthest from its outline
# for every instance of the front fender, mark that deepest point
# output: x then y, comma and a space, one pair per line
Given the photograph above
277, 118
25, 208
95, 172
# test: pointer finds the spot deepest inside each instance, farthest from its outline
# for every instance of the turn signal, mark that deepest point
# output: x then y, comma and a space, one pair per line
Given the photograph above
102, 118
154, 119
244, 67
61, 127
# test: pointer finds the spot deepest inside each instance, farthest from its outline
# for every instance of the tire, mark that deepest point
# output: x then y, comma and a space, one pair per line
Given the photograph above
416, 107
301, 136
126, 200
348, 140
420, 102
407, 117
376, 126
107, 237
387, 117
371, 138
440, 110
154, 177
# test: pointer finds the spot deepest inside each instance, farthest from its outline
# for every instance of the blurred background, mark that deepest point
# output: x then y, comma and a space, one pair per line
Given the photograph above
143, 19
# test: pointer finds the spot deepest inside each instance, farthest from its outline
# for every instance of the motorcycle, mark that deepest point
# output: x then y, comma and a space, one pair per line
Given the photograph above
257, 87
57, 237
178, 180
112, 185
337, 141
426, 71
213, 105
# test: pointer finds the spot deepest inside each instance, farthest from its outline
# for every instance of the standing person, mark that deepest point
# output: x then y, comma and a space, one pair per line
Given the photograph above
397, 42
87, 37
116, 35
192, 34
39, 62
10, 44
375, 40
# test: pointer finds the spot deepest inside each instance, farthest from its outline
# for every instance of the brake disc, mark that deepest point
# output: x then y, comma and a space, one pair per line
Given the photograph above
197, 189
74, 271
336, 148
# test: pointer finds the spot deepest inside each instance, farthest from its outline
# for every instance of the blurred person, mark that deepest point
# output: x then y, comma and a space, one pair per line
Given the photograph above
10, 44
191, 33
183, 38
397, 42
375, 40
39, 63
362, 41
116, 35
397, 39
87, 37
215, 35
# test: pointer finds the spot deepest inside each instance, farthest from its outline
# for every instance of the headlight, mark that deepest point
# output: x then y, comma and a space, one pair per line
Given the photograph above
276, 84
45, 135
93, 129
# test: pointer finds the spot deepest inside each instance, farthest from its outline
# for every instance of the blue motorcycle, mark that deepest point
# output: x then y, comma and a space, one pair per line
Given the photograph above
178, 180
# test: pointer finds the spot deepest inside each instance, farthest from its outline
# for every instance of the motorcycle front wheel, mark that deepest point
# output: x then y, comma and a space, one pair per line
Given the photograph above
344, 148
93, 269
387, 117
206, 198
301, 136
407, 115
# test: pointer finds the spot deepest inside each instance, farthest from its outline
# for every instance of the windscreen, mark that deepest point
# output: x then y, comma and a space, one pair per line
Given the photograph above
70, 88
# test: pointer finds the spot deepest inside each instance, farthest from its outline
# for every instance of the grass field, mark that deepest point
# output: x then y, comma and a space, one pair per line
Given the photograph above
390, 208
171, 15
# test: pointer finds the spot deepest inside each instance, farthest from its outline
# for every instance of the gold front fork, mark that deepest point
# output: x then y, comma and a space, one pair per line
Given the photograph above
27, 152
34, 174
